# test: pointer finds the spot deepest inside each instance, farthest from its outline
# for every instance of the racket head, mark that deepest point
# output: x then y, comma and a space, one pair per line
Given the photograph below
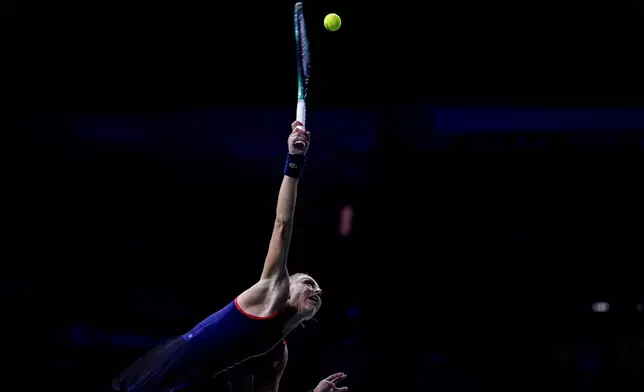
302, 52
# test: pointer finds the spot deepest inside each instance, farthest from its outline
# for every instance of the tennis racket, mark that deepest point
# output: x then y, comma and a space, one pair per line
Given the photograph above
303, 66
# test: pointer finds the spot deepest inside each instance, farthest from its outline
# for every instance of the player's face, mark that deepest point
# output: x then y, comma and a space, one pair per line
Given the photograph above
305, 295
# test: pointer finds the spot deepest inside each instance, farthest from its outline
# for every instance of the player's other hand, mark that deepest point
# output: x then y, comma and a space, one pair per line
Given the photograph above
299, 140
329, 384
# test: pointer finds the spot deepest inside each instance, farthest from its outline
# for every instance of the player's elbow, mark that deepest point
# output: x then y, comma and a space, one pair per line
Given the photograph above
281, 229
282, 221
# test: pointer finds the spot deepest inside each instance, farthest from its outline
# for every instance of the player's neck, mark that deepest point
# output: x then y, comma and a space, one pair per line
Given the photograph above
292, 322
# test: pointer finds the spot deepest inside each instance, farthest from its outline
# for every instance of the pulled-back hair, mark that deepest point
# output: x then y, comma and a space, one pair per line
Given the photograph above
298, 275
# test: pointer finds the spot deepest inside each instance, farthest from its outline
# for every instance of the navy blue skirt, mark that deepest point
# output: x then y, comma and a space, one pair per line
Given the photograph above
168, 367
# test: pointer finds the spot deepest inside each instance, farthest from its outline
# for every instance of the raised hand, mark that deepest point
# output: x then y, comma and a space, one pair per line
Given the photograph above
299, 140
329, 384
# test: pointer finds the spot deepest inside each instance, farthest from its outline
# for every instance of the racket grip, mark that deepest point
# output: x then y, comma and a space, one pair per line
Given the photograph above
300, 114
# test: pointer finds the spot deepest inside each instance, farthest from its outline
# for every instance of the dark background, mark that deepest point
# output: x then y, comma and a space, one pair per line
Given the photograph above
492, 152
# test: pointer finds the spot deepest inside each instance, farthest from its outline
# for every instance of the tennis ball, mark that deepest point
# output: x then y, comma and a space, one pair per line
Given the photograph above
332, 22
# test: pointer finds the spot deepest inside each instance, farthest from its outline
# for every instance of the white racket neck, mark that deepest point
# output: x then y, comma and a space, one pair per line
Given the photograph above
300, 114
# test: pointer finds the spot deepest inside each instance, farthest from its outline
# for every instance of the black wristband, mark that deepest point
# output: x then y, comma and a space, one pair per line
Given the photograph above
294, 165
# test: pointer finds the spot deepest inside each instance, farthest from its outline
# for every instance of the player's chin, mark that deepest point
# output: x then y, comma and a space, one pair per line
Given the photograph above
308, 311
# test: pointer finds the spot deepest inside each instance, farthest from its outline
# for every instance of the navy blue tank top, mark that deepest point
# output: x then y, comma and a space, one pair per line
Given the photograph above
224, 339
230, 336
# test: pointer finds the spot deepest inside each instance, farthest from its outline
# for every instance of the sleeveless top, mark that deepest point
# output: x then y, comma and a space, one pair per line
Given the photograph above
224, 339
231, 336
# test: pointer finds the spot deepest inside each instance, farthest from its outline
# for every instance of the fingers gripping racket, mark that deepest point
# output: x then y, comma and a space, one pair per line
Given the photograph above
303, 67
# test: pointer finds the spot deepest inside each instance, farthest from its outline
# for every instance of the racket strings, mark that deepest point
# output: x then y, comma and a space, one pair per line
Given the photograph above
302, 50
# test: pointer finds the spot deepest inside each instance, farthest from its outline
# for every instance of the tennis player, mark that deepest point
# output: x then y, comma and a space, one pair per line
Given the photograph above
254, 322
263, 374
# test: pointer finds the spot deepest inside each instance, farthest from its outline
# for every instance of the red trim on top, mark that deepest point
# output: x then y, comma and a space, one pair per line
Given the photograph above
255, 317
284, 341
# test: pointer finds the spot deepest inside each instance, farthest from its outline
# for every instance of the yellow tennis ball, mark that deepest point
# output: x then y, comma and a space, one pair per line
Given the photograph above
332, 22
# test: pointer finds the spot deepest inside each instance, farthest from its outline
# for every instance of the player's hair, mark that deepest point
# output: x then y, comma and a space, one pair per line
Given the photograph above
298, 275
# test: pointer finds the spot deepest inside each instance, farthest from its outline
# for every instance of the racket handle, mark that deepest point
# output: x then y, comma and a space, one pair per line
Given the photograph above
300, 114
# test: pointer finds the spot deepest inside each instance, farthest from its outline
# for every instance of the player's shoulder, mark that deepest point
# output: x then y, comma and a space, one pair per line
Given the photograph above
284, 351
266, 366
264, 298
278, 355
277, 352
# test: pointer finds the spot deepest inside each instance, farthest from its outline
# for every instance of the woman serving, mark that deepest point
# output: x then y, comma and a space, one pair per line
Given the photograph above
254, 322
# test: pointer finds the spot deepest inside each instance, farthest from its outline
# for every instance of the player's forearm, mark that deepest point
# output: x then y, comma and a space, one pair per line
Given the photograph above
286, 201
275, 263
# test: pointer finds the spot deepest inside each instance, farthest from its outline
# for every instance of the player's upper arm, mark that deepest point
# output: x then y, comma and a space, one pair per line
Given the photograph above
280, 369
275, 263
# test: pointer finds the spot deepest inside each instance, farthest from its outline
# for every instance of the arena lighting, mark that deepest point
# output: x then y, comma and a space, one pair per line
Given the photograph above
601, 307
346, 220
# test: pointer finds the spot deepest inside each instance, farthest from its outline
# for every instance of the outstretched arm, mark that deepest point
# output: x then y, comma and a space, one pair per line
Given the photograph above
328, 384
275, 263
